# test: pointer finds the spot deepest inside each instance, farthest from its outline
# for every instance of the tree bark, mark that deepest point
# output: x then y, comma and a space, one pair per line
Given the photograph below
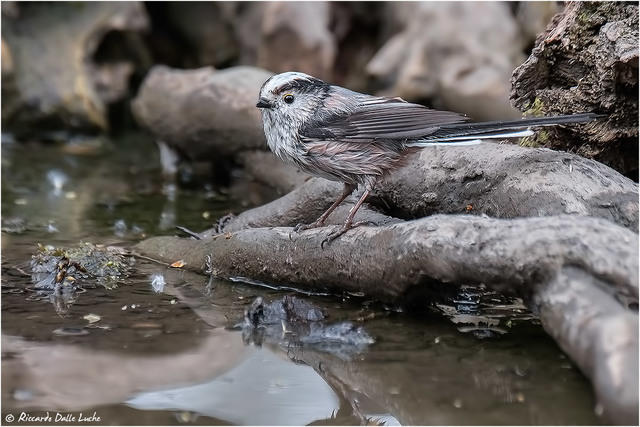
502, 181
586, 60
579, 274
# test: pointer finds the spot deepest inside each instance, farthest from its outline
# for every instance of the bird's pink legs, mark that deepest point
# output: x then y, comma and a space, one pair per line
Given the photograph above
348, 189
348, 224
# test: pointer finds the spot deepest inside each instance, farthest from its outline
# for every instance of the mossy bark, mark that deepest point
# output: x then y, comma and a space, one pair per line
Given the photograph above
587, 60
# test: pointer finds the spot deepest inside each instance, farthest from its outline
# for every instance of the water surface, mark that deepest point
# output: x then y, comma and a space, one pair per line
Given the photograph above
171, 351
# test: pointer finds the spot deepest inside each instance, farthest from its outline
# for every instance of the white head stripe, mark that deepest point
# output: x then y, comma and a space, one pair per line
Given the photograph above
283, 78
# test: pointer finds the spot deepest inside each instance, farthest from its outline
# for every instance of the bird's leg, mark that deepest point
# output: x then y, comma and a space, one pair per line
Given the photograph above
348, 224
348, 189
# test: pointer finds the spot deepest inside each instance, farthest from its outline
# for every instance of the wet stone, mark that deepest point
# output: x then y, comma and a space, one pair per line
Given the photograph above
70, 332
86, 266
146, 325
484, 313
14, 225
293, 321
289, 308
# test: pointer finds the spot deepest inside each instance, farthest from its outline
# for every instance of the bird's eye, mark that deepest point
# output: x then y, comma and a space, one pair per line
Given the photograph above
288, 99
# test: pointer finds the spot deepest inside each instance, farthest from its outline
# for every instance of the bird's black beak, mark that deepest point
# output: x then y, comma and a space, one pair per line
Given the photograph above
263, 103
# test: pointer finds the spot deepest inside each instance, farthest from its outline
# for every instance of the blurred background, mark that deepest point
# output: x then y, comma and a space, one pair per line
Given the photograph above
89, 92
76, 66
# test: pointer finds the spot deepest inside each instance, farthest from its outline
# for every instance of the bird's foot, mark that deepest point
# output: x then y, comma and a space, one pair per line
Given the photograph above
301, 227
346, 227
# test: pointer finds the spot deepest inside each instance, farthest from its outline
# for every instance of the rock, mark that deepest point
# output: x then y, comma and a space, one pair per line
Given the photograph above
53, 47
203, 113
356, 28
111, 81
293, 321
587, 60
207, 29
296, 36
288, 308
452, 53
10, 9
85, 266
277, 36
7, 61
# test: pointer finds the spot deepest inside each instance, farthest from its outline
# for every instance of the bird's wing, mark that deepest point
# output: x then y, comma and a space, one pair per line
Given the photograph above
377, 118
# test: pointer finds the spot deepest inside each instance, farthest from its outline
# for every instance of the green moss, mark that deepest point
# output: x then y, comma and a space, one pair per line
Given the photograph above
543, 136
529, 142
539, 139
584, 16
89, 265
536, 109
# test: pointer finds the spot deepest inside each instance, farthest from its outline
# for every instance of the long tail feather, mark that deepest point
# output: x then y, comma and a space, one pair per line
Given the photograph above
499, 129
471, 139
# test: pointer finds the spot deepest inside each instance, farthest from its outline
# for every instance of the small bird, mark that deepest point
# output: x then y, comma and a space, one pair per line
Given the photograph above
354, 138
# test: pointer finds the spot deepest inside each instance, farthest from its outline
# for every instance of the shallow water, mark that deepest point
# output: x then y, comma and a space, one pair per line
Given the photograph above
170, 351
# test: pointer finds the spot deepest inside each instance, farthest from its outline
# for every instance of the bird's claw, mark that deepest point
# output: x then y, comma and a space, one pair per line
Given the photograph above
301, 227
335, 234
331, 237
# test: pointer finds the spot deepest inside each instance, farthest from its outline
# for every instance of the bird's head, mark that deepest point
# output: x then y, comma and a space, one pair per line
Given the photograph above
291, 97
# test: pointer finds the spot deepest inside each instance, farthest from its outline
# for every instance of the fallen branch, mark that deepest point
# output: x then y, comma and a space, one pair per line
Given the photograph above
501, 181
301, 206
535, 258
508, 181
387, 261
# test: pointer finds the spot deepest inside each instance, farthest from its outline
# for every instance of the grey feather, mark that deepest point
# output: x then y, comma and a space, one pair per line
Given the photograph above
355, 138
374, 118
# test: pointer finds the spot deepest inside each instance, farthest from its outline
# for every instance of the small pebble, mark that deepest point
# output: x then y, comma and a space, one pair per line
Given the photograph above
457, 403
599, 409
70, 332
120, 227
146, 325
22, 394
57, 179
157, 282
92, 318
186, 417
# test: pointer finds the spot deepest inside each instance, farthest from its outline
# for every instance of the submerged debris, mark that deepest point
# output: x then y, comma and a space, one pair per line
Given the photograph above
14, 225
70, 332
157, 282
294, 321
289, 308
85, 266
92, 318
178, 264
483, 312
